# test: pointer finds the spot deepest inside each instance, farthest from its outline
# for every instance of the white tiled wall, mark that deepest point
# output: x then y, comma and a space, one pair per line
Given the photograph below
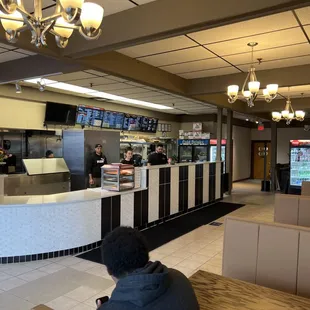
206, 183
174, 194
153, 195
191, 186
218, 180
37, 229
127, 209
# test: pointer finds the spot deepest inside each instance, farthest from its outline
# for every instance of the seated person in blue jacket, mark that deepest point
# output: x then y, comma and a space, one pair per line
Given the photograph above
140, 283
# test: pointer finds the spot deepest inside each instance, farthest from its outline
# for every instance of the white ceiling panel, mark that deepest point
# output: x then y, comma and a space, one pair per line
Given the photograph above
8, 47
207, 73
196, 65
19, 50
265, 41
49, 11
8, 56
141, 95
114, 6
295, 91
28, 4
95, 81
140, 2
115, 78
2, 50
194, 53
304, 15
94, 72
271, 54
246, 28
70, 77
307, 29
111, 87
156, 47
290, 62
128, 92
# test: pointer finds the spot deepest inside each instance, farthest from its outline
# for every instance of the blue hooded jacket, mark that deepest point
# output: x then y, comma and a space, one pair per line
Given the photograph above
153, 287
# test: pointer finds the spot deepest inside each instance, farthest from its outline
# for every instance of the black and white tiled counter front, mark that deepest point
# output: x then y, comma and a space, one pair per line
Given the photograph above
40, 227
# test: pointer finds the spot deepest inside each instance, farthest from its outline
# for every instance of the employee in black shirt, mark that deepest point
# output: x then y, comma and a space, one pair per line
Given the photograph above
157, 157
95, 162
128, 160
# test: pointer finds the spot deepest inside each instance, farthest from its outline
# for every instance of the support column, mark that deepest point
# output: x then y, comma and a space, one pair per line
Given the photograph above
219, 133
274, 142
229, 150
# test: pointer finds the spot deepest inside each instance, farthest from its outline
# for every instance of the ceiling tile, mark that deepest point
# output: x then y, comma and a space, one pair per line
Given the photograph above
307, 29
135, 84
304, 15
246, 28
290, 62
8, 56
19, 50
158, 47
49, 11
96, 81
115, 78
140, 2
114, 6
270, 40
271, 54
194, 53
28, 4
8, 47
68, 77
207, 73
98, 73
111, 87
141, 95
129, 91
2, 50
196, 65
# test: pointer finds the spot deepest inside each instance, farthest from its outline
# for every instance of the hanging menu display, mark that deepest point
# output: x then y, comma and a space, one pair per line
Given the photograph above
132, 122
97, 117
300, 162
113, 120
149, 124
84, 115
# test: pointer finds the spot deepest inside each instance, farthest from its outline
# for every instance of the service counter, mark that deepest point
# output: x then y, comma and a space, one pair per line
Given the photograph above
46, 226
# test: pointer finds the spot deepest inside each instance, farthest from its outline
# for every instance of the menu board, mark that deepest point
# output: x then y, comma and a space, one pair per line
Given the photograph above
113, 120
84, 115
300, 162
97, 117
149, 124
132, 122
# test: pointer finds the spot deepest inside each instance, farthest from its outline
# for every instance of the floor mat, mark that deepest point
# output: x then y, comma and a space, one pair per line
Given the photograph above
170, 230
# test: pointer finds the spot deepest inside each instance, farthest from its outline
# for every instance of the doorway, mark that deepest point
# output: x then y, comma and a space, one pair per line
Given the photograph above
260, 149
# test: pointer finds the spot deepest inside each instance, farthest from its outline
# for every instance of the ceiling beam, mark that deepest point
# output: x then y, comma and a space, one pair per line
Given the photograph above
162, 19
289, 76
35, 66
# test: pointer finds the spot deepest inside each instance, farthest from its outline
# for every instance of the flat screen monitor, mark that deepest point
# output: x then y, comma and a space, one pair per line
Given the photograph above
89, 116
60, 114
132, 122
113, 120
149, 124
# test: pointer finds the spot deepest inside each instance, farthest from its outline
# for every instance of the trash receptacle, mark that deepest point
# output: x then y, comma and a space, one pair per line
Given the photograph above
265, 188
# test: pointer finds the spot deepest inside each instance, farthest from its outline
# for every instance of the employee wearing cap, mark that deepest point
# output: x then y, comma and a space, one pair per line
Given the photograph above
95, 162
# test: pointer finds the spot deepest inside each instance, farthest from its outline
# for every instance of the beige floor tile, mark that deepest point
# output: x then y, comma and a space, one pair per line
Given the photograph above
4, 276
11, 283
84, 265
51, 268
32, 275
38, 264
16, 269
171, 261
82, 293
83, 307
200, 258
190, 264
186, 271
62, 303
11, 302
69, 261
182, 253
100, 271
211, 268
154, 256
92, 300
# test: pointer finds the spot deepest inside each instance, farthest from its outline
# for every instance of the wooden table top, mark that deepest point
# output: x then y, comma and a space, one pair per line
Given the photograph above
217, 292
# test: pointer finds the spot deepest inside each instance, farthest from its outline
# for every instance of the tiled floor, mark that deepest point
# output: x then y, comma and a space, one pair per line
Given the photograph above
73, 283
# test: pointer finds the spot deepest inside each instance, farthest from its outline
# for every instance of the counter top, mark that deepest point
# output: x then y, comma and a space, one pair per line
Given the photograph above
180, 165
70, 197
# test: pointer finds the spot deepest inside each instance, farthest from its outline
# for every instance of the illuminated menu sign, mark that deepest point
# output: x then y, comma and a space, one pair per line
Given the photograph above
113, 120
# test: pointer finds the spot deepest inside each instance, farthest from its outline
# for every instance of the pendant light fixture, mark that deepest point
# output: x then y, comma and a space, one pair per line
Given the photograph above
288, 114
253, 84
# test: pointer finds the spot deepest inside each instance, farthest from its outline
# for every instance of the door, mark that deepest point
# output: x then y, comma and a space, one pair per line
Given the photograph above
259, 149
185, 153
200, 153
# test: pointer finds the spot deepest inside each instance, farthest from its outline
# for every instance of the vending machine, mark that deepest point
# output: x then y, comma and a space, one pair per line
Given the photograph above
299, 162
213, 148
193, 150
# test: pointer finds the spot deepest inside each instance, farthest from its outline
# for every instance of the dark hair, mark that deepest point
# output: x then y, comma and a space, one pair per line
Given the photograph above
128, 149
123, 251
160, 145
48, 153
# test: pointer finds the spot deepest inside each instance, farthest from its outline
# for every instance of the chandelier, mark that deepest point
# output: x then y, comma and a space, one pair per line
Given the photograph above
15, 19
252, 92
288, 113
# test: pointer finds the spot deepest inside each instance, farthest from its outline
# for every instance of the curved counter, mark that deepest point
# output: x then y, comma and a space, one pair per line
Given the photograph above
48, 226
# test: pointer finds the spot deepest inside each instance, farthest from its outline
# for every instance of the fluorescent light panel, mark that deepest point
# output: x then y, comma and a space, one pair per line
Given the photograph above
91, 93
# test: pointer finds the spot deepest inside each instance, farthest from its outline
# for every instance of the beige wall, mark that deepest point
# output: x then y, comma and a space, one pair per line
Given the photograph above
27, 110
284, 137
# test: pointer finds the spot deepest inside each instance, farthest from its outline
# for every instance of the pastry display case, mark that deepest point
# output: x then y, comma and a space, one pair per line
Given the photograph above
117, 177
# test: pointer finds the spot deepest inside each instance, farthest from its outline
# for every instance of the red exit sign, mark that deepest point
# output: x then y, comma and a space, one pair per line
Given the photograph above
261, 127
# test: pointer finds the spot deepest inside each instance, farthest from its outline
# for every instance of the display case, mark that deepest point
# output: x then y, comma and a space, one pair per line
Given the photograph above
117, 177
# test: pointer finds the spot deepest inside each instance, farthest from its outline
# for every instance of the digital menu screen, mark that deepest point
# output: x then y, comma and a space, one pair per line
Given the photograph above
89, 116
113, 120
84, 115
132, 122
149, 124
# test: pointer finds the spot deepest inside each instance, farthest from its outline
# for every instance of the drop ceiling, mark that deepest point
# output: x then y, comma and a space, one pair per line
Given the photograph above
283, 41
98, 81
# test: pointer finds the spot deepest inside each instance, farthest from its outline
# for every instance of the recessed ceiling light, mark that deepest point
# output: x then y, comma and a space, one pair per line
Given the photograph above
256, 122
247, 119
91, 93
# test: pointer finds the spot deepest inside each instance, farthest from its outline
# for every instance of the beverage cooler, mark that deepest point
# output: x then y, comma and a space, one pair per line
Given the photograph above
192, 150
299, 162
213, 148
